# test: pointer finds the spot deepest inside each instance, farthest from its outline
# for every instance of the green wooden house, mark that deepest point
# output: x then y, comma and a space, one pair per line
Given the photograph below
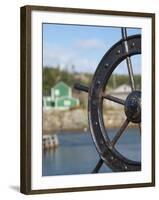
61, 97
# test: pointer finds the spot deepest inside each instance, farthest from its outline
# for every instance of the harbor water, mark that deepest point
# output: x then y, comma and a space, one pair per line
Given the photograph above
76, 153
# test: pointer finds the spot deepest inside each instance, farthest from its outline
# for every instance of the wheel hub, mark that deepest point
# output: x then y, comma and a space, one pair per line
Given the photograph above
133, 106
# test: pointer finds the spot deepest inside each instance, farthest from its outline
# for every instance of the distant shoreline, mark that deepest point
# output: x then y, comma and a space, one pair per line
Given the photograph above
79, 131
77, 120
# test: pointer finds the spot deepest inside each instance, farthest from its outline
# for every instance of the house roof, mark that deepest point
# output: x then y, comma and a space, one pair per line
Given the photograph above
122, 89
60, 83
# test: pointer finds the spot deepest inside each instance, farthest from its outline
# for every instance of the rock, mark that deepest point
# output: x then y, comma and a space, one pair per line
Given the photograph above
54, 120
77, 119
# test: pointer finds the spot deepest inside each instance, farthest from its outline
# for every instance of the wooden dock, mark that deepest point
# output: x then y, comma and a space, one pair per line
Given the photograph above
50, 141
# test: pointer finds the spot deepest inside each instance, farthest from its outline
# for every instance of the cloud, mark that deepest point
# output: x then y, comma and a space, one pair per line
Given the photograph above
90, 43
83, 54
82, 59
68, 57
54, 55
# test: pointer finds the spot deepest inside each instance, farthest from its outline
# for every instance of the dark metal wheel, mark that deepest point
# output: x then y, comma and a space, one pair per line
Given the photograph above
122, 50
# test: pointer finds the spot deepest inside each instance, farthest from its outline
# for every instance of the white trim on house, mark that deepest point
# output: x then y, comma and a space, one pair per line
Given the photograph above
59, 98
52, 94
70, 92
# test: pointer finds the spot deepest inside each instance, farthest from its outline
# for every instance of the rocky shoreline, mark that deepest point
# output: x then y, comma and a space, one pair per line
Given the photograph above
77, 120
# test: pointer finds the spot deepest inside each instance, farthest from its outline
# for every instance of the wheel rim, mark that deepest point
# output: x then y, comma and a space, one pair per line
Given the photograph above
115, 160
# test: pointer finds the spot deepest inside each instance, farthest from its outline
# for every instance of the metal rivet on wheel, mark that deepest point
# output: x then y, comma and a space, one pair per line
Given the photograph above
96, 123
106, 65
118, 52
126, 167
133, 44
112, 158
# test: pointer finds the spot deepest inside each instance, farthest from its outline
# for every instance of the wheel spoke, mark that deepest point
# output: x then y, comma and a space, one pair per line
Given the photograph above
114, 99
140, 128
84, 88
130, 71
81, 87
98, 166
120, 132
128, 59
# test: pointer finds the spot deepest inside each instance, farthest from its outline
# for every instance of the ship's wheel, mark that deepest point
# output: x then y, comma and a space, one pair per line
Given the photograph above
97, 93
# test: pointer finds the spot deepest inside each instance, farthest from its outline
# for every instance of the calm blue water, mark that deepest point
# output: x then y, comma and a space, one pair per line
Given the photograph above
76, 153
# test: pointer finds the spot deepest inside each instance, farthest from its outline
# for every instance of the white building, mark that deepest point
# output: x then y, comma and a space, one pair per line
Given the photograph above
120, 92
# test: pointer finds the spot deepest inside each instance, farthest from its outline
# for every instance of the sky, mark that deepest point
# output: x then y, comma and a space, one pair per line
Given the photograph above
81, 46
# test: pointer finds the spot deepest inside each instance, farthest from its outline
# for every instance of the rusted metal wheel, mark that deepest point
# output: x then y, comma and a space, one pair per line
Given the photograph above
122, 50
106, 147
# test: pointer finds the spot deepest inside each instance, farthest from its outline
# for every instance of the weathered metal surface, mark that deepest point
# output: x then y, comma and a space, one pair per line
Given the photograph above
122, 50
84, 88
108, 64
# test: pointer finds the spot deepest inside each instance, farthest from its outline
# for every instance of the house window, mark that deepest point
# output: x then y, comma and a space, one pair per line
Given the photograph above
57, 92
67, 103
